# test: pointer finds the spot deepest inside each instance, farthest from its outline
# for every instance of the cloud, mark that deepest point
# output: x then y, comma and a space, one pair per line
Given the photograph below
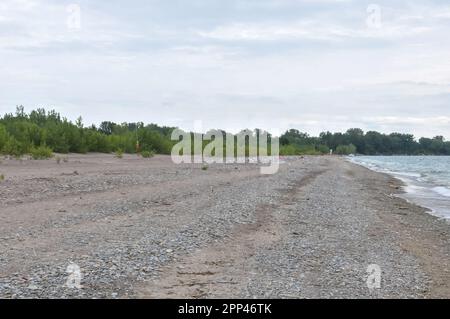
310, 30
275, 64
37, 24
431, 121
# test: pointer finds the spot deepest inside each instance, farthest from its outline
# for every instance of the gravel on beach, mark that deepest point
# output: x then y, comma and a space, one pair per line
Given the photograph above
147, 228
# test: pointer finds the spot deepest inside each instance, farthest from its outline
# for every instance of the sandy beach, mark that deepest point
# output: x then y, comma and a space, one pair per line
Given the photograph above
147, 228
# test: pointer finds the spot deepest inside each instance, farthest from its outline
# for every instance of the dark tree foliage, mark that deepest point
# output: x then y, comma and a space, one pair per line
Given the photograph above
370, 143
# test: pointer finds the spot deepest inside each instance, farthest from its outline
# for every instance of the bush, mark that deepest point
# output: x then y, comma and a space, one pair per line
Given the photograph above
147, 154
293, 150
346, 149
323, 149
13, 148
41, 152
4, 137
2, 177
119, 153
308, 150
289, 150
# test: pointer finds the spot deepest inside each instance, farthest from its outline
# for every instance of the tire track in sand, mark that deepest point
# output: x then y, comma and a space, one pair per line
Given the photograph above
225, 268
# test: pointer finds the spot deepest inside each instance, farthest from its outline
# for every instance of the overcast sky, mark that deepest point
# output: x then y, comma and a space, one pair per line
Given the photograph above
313, 65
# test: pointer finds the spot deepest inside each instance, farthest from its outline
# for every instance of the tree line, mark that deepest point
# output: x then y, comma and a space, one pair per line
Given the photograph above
42, 132
356, 141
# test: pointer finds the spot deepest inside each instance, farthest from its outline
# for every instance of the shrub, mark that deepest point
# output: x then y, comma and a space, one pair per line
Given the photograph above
204, 167
119, 153
2, 177
13, 148
3, 136
323, 149
293, 150
41, 152
346, 149
147, 154
289, 150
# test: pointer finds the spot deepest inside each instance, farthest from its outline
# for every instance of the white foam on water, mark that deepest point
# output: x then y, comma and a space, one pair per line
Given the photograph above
444, 191
409, 174
413, 189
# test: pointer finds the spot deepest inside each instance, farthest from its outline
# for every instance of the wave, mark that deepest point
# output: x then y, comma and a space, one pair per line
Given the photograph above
425, 185
444, 191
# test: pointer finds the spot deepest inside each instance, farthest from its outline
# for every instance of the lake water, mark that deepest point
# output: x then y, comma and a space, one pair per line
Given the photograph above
427, 178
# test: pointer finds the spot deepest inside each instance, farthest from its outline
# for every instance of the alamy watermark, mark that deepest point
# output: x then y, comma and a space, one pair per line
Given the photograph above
373, 20
219, 147
373, 276
74, 276
73, 21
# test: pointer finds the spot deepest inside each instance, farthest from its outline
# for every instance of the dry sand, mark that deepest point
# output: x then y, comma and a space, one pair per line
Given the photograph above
148, 228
